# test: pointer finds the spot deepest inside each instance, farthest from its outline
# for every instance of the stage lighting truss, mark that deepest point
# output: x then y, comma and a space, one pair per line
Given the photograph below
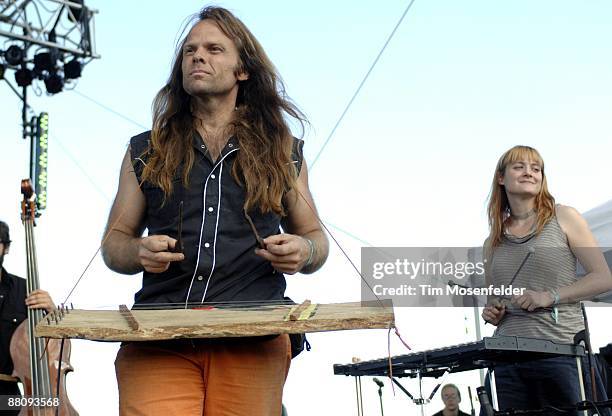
49, 40
67, 26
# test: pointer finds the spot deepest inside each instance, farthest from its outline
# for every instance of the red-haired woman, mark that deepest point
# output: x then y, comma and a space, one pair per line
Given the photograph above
526, 223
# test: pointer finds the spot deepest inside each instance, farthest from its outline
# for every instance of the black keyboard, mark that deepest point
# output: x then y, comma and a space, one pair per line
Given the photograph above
489, 352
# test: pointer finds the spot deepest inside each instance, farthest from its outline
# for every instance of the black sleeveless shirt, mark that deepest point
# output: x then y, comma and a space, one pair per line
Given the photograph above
219, 246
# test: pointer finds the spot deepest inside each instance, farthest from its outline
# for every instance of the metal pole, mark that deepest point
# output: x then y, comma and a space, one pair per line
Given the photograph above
24, 118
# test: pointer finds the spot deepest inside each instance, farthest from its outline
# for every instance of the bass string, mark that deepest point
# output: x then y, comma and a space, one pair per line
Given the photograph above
93, 257
391, 325
112, 227
260, 305
234, 303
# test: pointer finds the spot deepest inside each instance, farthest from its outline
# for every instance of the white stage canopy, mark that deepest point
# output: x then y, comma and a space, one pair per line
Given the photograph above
600, 221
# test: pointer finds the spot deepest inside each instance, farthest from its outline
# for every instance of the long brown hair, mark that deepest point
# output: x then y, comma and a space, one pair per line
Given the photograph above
499, 208
263, 164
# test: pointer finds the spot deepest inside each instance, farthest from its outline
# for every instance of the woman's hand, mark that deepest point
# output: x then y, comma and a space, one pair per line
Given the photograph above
494, 312
532, 300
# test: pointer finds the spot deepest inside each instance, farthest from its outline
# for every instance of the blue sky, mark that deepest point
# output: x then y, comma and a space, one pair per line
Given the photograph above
410, 165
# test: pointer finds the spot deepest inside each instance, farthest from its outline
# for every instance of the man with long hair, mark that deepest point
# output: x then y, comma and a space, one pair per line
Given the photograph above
528, 228
218, 171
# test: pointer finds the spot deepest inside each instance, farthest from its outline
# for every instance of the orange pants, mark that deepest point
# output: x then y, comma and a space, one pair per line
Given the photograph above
200, 378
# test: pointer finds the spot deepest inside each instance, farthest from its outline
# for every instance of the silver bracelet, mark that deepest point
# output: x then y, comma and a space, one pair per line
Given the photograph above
556, 297
311, 254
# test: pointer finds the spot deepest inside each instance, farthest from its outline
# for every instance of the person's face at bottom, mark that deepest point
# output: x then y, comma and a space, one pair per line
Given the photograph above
450, 398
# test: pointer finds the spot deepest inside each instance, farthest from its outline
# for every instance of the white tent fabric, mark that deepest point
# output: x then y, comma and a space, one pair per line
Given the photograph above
600, 221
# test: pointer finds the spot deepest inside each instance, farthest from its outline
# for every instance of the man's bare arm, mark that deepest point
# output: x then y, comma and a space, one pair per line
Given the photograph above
123, 248
125, 223
291, 253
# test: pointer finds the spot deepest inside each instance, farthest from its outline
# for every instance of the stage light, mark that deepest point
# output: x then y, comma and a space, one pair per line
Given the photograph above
54, 83
14, 55
73, 69
42, 159
23, 77
44, 61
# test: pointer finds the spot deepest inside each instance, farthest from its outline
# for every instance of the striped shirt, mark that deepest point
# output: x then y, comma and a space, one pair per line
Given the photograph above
551, 265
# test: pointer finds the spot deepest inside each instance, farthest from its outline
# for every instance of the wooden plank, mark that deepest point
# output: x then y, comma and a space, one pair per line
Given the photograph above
100, 325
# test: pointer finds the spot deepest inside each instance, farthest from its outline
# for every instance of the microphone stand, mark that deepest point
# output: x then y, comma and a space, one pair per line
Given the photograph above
587, 340
380, 386
382, 412
473, 412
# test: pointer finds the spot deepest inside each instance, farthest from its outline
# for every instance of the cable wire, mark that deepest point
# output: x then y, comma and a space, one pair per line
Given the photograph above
107, 108
363, 81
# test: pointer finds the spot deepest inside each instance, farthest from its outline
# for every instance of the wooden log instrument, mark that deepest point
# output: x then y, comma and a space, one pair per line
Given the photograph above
40, 366
216, 321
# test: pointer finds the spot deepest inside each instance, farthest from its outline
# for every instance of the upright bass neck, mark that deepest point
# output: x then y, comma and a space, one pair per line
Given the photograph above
28, 216
40, 364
